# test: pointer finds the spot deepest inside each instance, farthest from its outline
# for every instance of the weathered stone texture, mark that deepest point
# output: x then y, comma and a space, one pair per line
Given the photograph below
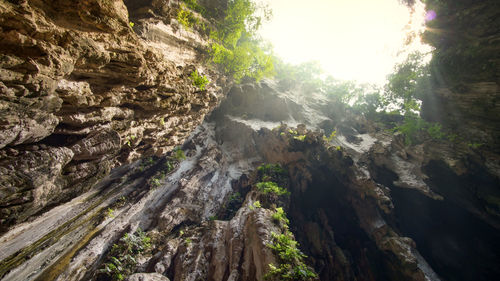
87, 92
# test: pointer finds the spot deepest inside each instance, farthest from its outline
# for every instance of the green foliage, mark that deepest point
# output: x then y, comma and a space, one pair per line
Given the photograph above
435, 131
300, 137
150, 160
179, 154
307, 72
271, 171
247, 59
401, 96
110, 213
156, 182
291, 259
235, 197
131, 24
193, 5
280, 218
232, 205
286, 271
403, 87
296, 136
413, 128
271, 187
121, 201
169, 165
330, 137
286, 247
236, 48
129, 139
370, 103
240, 20
255, 204
121, 260
474, 145
200, 81
410, 128
186, 17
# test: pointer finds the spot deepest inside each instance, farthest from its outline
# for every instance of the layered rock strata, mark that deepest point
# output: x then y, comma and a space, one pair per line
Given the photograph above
82, 91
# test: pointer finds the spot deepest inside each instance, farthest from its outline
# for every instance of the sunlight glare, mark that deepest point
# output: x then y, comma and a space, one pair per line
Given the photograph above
352, 39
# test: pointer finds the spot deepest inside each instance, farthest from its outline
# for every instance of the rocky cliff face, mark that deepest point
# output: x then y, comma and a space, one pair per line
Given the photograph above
465, 97
466, 70
92, 109
82, 91
360, 205
198, 231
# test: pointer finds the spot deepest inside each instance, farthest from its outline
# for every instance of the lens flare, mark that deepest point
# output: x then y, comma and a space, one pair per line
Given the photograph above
430, 15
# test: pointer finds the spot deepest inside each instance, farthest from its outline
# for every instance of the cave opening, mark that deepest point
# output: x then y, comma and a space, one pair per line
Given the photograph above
328, 229
457, 244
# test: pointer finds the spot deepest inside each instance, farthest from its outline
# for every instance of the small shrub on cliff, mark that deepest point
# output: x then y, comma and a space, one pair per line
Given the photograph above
412, 128
179, 154
280, 218
193, 5
291, 260
200, 81
331, 137
268, 172
299, 137
186, 17
121, 260
271, 187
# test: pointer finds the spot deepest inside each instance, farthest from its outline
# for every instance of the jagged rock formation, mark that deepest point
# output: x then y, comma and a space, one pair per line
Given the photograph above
221, 157
83, 92
464, 96
84, 95
465, 91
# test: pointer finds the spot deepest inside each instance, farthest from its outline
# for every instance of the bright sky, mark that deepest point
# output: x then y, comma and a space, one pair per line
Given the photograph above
352, 39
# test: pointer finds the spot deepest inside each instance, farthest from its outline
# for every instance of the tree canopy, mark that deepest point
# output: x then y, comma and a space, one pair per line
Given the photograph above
236, 46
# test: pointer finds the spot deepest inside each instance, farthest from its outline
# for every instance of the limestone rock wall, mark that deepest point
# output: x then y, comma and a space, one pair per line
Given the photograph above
82, 91
465, 94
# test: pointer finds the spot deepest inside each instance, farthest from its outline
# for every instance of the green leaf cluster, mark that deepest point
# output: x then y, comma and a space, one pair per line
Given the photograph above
271, 187
179, 154
280, 218
255, 204
413, 129
122, 259
247, 59
300, 137
200, 81
330, 137
193, 5
406, 83
291, 260
236, 47
186, 17
271, 169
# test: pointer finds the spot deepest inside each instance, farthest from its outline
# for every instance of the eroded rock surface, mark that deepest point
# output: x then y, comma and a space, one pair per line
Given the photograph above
83, 92
84, 95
